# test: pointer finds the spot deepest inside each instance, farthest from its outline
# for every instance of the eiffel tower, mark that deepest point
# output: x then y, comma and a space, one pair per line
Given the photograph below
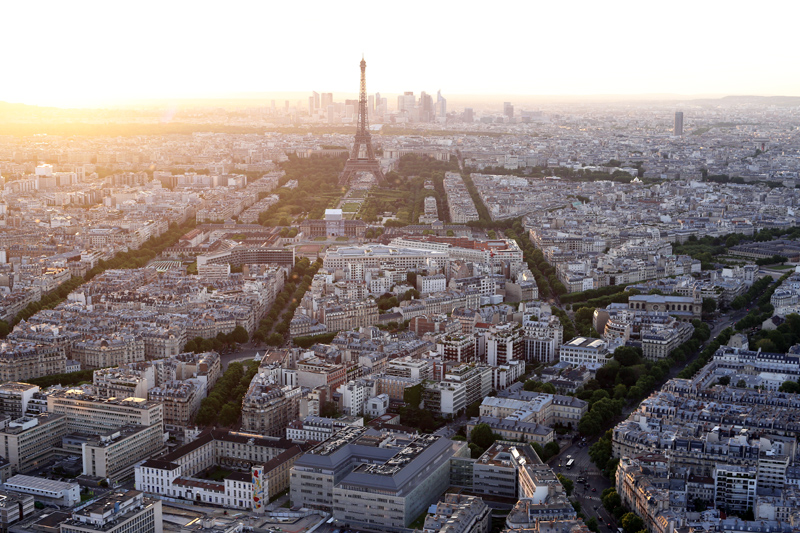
355, 163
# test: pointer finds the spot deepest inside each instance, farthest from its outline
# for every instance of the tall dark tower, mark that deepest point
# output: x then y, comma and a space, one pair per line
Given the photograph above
356, 163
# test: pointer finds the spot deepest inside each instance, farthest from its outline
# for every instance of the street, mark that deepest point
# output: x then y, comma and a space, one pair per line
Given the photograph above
583, 467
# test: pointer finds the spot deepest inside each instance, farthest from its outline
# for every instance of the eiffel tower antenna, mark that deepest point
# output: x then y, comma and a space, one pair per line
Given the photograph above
355, 163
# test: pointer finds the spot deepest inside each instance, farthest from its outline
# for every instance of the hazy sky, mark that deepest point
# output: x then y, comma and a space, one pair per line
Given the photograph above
77, 53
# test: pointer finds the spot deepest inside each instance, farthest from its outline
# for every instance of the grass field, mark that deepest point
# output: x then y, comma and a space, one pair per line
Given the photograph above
351, 207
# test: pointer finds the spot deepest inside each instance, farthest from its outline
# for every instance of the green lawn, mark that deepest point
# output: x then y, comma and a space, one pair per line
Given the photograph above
342, 239
351, 207
320, 238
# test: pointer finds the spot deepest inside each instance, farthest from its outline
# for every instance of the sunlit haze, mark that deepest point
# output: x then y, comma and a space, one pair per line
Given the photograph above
102, 53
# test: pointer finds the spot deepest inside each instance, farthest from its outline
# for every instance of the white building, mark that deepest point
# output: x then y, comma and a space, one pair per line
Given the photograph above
377, 406
584, 351
355, 394
46, 490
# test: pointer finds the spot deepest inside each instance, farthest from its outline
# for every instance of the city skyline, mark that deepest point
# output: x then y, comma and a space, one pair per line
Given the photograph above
170, 52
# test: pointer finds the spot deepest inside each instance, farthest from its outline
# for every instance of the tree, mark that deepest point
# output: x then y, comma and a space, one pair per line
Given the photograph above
239, 334
229, 414
475, 451
483, 436
739, 302
591, 523
551, 448
709, 305
789, 386
741, 384
635, 392
699, 505
724, 380
474, 409
598, 395
631, 523
611, 501
329, 410
275, 339
589, 424
620, 391
627, 356
567, 483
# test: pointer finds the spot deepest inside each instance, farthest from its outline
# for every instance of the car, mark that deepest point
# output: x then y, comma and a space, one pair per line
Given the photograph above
594, 489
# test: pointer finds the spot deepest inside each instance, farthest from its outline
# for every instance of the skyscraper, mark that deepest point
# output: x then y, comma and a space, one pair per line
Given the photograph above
425, 107
678, 129
508, 109
406, 101
441, 104
315, 94
469, 115
327, 99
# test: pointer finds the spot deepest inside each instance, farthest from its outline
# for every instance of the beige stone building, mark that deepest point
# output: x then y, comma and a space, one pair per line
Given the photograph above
108, 351
20, 361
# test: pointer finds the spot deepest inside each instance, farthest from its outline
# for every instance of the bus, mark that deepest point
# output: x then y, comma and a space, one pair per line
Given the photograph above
570, 463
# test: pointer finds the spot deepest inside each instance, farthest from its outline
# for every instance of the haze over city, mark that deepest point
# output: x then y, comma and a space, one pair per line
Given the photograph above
92, 54
415, 267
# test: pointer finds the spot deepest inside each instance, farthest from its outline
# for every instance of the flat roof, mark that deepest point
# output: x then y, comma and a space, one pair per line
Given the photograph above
39, 483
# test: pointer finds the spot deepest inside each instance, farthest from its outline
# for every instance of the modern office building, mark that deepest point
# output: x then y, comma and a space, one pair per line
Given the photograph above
678, 128
378, 480
28, 442
90, 414
112, 455
14, 398
118, 512
584, 351
14, 507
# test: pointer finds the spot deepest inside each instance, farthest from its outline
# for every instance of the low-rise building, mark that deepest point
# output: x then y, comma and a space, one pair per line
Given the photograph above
46, 490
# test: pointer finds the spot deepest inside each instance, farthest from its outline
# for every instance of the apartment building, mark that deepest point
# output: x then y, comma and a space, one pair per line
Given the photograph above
181, 401
350, 315
21, 360
408, 367
444, 397
458, 513
457, 347
108, 351
268, 409
504, 344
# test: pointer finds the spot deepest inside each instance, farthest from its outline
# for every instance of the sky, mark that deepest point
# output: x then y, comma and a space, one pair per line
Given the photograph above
95, 54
